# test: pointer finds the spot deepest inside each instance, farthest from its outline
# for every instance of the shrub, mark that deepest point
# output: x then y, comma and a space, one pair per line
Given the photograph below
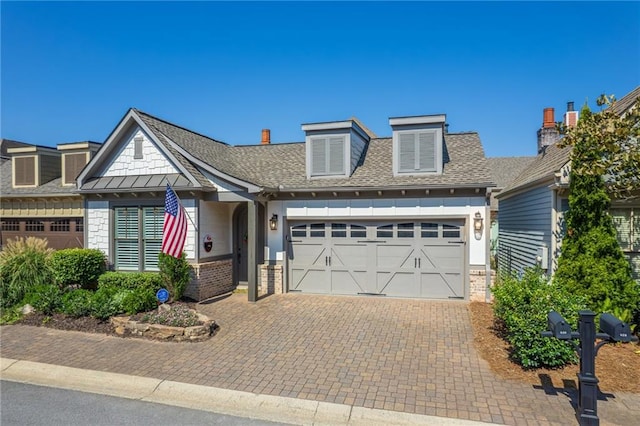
77, 303
131, 280
140, 299
45, 298
178, 316
175, 273
77, 266
106, 302
522, 306
23, 265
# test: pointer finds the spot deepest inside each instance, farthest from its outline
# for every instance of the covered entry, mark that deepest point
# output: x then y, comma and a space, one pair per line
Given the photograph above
407, 259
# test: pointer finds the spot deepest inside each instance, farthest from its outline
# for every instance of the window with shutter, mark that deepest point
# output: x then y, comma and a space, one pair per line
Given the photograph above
24, 171
327, 156
417, 152
137, 247
73, 165
621, 220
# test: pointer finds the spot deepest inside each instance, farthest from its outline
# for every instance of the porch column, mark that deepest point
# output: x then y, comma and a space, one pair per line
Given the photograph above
252, 250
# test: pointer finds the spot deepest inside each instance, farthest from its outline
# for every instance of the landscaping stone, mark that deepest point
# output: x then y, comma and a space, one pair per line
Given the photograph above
124, 324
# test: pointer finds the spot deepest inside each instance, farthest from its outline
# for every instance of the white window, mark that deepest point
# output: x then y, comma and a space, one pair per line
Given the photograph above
417, 151
137, 247
327, 155
627, 224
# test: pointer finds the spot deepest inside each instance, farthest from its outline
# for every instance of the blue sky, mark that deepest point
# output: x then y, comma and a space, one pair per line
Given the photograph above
70, 71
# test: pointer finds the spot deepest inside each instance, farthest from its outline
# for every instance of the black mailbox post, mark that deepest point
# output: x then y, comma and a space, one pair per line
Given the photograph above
613, 329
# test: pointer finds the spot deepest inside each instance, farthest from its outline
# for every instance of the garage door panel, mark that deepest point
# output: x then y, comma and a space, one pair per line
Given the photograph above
353, 255
441, 256
309, 280
439, 285
309, 254
394, 256
348, 282
398, 283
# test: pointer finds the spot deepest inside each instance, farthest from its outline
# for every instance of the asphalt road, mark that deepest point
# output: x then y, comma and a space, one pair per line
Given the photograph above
22, 404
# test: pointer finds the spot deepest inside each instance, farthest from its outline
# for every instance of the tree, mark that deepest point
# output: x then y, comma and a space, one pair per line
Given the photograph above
605, 162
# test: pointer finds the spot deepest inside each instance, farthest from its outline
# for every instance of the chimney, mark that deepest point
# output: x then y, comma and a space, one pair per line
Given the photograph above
547, 134
571, 116
548, 119
266, 137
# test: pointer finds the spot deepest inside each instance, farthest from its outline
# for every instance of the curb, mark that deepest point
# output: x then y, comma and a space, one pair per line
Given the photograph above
204, 398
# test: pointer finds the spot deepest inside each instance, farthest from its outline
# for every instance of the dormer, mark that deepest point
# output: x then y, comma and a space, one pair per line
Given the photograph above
32, 166
74, 157
417, 144
333, 148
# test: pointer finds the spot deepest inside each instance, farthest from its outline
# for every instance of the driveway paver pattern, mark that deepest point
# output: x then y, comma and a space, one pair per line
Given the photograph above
414, 356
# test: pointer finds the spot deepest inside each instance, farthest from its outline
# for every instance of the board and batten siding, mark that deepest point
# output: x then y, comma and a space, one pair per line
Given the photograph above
524, 226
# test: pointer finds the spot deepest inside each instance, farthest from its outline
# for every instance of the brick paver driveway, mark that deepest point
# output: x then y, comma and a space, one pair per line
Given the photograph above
395, 354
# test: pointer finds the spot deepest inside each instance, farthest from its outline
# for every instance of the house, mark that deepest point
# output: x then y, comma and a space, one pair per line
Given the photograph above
37, 190
343, 212
531, 225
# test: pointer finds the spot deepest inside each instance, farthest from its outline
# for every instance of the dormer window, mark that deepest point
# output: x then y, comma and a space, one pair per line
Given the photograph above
24, 171
32, 166
417, 144
327, 156
334, 148
74, 157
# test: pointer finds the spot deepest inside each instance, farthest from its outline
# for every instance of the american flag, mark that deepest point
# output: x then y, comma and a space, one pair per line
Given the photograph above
174, 231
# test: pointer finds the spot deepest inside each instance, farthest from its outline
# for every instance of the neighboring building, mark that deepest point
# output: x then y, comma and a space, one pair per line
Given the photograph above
343, 212
532, 207
504, 170
37, 192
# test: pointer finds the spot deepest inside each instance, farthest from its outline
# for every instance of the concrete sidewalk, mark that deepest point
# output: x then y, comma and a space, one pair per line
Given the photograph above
223, 401
413, 357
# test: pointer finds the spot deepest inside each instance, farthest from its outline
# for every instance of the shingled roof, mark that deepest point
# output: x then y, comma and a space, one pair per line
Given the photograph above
282, 166
53, 187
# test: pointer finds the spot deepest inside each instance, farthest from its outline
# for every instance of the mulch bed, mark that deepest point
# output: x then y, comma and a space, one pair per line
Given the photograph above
617, 365
63, 322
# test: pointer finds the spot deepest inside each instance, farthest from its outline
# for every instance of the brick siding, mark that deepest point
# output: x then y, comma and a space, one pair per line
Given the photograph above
210, 279
478, 284
271, 280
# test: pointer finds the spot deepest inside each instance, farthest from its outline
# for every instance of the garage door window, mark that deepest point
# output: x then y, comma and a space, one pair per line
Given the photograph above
358, 231
385, 231
339, 230
317, 230
450, 231
429, 230
299, 231
405, 230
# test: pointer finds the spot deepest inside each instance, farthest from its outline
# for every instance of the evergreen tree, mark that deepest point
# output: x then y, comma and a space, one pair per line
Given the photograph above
592, 263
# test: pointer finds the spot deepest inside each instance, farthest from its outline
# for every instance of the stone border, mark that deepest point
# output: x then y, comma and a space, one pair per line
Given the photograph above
196, 333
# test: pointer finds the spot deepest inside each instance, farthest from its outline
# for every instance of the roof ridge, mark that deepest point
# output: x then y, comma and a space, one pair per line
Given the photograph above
179, 127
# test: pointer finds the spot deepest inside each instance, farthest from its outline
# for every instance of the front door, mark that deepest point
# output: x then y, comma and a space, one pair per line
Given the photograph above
240, 244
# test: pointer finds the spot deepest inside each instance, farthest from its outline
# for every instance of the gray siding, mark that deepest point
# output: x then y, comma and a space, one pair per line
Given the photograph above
524, 226
357, 146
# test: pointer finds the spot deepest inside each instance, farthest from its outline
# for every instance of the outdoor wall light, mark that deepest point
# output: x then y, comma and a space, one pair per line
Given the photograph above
477, 225
273, 222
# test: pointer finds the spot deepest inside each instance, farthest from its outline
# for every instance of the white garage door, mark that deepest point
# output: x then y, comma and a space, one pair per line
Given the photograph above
408, 259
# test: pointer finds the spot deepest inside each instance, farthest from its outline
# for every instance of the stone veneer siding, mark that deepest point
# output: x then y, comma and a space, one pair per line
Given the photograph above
478, 284
210, 279
271, 280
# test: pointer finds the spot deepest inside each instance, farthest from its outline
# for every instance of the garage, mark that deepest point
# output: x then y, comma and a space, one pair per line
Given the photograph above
422, 259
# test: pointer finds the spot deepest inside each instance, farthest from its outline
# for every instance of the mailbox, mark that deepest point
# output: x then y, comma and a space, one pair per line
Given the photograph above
558, 326
616, 329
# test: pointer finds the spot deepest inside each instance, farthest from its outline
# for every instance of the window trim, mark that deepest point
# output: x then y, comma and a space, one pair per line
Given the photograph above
438, 151
141, 264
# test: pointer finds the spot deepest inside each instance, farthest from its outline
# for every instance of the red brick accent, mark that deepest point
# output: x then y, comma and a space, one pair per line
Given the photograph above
210, 279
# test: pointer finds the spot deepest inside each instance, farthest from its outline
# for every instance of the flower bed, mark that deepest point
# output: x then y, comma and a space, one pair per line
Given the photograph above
171, 327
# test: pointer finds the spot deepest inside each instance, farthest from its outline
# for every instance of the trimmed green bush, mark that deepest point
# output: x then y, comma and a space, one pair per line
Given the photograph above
521, 307
131, 280
140, 299
45, 298
23, 265
77, 303
175, 273
105, 304
77, 267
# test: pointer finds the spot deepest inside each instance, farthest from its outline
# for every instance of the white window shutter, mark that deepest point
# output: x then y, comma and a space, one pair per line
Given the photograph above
427, 148
318, 156
407, 152
621, 221
336, 155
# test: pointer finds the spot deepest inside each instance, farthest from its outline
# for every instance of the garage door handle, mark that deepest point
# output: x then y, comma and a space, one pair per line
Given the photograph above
295, 241
419, 263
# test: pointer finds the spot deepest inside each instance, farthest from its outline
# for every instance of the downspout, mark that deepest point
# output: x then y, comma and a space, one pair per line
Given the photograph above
487, 236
